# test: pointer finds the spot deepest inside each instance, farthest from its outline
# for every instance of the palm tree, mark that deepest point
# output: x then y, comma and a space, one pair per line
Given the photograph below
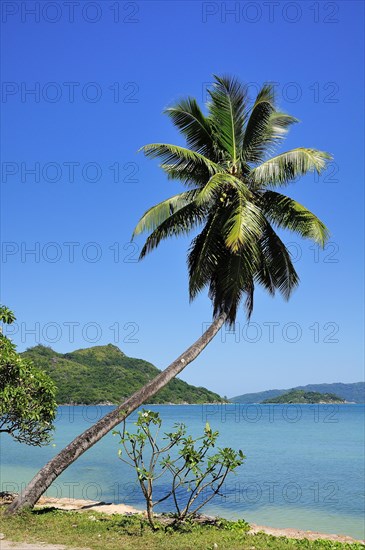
230, 198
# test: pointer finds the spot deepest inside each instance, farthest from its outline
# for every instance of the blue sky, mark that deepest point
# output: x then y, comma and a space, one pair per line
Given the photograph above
101, 74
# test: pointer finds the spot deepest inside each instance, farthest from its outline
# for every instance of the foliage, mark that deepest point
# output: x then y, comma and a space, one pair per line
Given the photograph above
108, 532
6, 315
352, 393
231, 178
194, 473
301, 396
27, 394
104, 374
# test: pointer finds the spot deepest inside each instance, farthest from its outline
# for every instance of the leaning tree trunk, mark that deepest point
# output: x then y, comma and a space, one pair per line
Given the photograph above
43, 479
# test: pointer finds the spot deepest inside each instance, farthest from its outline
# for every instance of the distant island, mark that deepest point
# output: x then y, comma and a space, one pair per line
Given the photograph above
105, 375
351, 393
301, 396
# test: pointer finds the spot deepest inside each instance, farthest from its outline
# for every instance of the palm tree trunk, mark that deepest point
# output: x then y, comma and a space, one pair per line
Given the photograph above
89, 437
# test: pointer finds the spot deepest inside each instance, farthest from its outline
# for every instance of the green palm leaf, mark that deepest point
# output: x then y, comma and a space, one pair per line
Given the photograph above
283, 168
265, 128
278, 126
263, 276
175, 157
205, 253
227, 108
188, 118
254, 142
233, 278
154, 216
276, 259
179, 223
268, 134
287, 213
189, 175
220, 184
244, 223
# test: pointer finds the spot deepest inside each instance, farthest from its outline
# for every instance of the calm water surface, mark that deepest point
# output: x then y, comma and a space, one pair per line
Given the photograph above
304, 466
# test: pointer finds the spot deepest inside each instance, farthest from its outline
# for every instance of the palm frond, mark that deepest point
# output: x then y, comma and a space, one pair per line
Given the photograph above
276, 259
157, 214
219, 184
283, 168
179, 223
270, 132
205, 253
187, 116
188, 174
231, 280
249, 300
254, 143
180, 159
263, 276
244, 224
279, 123
228, 109
287, 213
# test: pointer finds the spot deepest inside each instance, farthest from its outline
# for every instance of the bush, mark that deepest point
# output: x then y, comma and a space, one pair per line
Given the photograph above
27, 394
194, 473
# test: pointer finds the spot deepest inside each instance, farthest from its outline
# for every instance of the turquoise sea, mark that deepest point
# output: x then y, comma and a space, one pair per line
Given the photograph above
304, 466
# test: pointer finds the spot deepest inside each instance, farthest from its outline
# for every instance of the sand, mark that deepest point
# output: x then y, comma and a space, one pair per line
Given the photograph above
299, 534
80, 505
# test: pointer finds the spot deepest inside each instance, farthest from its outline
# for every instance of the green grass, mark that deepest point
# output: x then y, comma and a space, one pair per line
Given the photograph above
108, 532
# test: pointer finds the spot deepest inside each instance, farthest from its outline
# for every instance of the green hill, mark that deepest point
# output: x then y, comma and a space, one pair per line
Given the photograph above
352, 393
104, 374
301, 396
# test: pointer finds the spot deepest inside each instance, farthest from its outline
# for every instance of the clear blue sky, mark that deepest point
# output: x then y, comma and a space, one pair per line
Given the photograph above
102, 73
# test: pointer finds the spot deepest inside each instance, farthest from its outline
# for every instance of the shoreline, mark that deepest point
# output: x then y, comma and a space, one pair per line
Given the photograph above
107, 404
81, 505
199, 404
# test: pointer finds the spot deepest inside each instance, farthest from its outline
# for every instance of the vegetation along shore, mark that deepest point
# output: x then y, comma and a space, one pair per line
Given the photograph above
87, 524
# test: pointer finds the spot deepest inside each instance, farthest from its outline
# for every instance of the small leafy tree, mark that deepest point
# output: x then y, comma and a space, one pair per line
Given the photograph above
27, 394
194, 474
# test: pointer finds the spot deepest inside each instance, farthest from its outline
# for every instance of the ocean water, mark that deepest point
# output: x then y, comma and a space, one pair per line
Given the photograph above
304, 464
